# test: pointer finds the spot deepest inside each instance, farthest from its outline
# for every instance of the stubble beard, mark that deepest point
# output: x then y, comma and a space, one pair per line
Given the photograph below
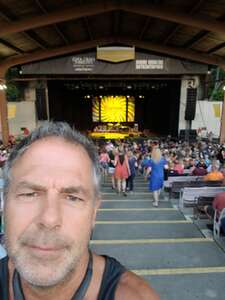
45, 272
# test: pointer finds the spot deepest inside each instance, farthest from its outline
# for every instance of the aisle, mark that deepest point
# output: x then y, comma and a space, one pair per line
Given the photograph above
159, 244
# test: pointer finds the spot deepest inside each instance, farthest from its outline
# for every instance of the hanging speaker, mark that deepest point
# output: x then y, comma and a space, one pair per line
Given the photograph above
191, 104
40, 102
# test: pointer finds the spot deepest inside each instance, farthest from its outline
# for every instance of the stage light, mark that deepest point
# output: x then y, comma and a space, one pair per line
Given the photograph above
101, 87
128, 96
129, 87
88, 96
100, 96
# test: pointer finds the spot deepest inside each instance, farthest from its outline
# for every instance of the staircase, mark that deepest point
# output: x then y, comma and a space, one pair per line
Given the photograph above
159, 244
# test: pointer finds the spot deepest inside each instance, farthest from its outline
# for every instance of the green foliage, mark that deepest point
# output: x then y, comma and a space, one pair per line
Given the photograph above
13, 92
215, 90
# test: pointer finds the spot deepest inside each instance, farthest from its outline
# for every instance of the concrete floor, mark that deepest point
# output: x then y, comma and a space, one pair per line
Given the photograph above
174, 254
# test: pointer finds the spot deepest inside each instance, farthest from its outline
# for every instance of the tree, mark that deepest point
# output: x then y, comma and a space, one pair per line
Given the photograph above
215, 91
13, 91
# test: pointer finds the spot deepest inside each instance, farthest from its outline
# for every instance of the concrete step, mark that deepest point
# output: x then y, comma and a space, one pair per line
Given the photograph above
138, 215
199, 284
132, 203
165, 254
145, 230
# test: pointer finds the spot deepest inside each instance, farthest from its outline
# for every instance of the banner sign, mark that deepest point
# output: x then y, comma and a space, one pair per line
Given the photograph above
143, 64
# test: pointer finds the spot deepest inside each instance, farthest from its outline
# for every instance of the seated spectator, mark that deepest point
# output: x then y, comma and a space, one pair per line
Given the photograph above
200, 169
218, 204
171, 171
222, 169
214, 175
179, 167
215, 163
191, 166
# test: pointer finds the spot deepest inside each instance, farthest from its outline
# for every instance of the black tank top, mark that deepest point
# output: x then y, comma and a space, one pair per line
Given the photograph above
111, 276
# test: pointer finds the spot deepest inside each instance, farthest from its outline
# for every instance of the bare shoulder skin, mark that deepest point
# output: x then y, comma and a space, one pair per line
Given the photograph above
133, 287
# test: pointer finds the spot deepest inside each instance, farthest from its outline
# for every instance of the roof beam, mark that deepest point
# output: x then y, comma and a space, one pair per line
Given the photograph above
201, 35
174, 51
116, 22
86, 24
177, 27
10, 18
56, 27
10, 46
166, 13
44, 54
156, 11
178, 52
58, 16
148, 21
216, 48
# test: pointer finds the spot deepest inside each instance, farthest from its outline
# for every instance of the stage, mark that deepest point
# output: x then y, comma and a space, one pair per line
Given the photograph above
110, 131
108, 135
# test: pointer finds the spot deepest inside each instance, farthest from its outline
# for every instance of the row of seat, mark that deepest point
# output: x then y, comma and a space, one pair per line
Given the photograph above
194, 192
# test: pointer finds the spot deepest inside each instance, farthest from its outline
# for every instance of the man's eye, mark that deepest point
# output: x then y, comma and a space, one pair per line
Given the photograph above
31, 194
73, 198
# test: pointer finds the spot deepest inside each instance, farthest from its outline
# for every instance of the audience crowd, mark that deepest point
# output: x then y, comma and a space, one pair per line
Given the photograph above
122, 160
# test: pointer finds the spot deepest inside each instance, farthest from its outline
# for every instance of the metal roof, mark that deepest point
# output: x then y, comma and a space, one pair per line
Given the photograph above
32, 30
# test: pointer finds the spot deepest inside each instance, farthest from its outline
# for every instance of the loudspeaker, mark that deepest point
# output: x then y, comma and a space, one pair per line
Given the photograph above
191, 104
41, 105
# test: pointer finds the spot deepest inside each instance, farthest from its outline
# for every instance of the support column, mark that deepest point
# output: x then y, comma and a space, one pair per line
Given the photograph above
4, 113
222, 126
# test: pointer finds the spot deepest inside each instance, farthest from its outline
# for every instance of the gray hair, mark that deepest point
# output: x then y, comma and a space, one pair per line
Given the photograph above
53, 129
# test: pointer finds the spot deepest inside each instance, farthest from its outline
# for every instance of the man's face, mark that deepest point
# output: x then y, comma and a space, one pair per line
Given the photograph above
50, 211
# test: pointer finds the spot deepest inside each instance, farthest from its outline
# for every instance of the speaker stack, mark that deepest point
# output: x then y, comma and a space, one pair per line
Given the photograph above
191, 104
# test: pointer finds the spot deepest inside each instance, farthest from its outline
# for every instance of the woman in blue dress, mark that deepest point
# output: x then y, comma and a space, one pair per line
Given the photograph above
155, 168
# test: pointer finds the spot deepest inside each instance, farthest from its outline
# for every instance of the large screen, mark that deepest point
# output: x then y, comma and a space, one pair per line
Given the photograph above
113, 109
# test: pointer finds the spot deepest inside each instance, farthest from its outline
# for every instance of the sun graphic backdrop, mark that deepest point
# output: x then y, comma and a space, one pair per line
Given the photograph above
113, 109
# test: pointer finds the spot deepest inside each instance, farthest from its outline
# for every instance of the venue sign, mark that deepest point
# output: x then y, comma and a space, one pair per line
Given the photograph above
87, 63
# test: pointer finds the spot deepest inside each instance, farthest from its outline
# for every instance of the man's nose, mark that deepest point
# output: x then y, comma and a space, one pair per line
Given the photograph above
50, 212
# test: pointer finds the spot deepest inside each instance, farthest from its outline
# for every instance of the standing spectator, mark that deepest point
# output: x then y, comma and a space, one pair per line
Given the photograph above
104, 162
156, 167
111, 170
132, 161
122, 171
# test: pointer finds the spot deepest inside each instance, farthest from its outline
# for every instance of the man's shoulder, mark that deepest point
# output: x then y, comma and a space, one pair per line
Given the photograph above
134, 287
